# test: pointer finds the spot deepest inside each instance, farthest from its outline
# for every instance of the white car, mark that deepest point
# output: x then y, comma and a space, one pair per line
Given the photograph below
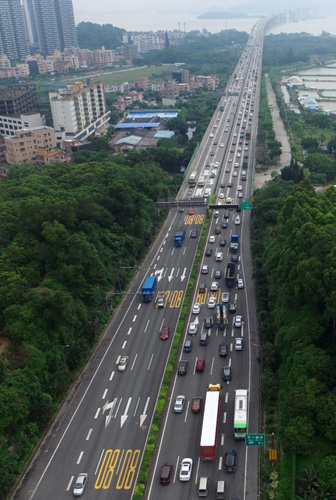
192, 329
219, 256
221, 145
238, 344
230, 160
80, 484
179, 404
237, 220
228, 200
240, 195
212, 239
196, 308
221, 196
212, 302
186, 468
238, 321
216, 164
240, 283
214, 286
211, 136
239, 188
236, 165
238, 155
225, 297
123, 362
234, 174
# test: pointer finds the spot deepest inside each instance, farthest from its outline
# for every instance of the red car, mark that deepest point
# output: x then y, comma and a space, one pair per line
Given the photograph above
200, 365
165, 331
196, 405
191, 211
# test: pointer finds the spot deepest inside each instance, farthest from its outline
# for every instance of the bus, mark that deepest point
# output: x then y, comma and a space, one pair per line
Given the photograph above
240, 414
192, 179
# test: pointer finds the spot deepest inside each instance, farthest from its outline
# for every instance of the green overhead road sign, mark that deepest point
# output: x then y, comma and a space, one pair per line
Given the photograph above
255, 439
246, 205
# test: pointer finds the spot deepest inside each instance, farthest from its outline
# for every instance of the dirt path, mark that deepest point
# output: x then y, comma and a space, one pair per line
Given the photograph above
260, 179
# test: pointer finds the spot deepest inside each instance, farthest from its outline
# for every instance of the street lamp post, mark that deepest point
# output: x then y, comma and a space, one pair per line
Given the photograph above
63, 355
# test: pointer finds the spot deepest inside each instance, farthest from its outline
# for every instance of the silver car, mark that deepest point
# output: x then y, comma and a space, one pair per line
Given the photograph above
179, 404
80, 484
238, 321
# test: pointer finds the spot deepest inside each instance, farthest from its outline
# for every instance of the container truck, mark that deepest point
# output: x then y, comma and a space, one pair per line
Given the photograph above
148, 288
221, 316
230, 274
208, 443
234, 244
179, 237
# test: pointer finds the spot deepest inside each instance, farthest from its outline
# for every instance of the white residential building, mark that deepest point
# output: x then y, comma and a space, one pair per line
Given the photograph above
78, 110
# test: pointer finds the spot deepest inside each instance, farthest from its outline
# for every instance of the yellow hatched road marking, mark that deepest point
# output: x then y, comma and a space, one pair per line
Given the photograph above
189, 219
176, 300
107, 469
199, 219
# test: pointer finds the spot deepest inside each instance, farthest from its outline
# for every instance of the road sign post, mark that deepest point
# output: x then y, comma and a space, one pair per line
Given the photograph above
255, 439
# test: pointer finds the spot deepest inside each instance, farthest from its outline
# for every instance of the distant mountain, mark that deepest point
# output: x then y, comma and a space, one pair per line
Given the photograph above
221, 15
267, 7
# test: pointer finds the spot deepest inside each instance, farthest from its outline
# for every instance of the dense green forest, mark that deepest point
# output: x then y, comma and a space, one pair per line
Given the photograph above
293, 48
294, 249
92, 36
66, 231
203, 54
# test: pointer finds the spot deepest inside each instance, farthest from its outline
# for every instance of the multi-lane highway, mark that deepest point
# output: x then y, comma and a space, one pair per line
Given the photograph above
103, 428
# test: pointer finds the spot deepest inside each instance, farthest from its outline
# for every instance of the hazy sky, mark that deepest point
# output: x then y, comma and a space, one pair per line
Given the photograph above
104, 11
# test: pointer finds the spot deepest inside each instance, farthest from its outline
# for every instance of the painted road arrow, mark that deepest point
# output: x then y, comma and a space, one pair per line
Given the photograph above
143, 416
124, 417
183, 275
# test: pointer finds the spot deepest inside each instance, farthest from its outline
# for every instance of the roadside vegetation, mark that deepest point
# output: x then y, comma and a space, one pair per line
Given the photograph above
293, 245
312, 134
293, 242
67, 232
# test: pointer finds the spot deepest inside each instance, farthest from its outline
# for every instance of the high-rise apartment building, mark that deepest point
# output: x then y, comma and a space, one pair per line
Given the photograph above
13, 32
51, 23
79, 110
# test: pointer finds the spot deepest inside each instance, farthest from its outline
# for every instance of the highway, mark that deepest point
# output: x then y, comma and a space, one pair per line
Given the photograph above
181, 436
103, 427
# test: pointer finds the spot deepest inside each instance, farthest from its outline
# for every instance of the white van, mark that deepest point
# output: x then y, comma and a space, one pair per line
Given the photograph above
220, 491
203, 487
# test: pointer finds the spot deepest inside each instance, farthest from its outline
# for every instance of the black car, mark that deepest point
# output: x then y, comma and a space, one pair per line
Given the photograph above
183, 367
208, 322
224, 225
226, 373
187, 346
222, 185
204, 338
230, 184
208, 252
230, 461
234, 257
238, 209
218, 274
223, 350
232, 308
193, 233
202, 288
226, 215
222, 242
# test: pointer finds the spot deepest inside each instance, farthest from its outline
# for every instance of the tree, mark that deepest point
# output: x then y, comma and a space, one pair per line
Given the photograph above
299, 436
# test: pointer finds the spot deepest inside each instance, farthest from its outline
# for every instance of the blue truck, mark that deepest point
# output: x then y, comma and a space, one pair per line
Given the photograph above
179, 237
234, 244
148, 288
221, 316
230, 274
